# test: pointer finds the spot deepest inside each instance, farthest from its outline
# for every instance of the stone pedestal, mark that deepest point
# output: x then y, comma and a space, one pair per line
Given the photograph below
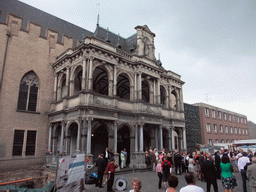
138, 160
90, 156
116, 157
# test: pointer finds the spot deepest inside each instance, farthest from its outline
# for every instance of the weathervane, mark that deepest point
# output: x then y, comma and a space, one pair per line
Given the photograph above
98, 18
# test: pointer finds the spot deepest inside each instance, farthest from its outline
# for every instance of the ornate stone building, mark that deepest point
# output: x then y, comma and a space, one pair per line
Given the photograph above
79, 91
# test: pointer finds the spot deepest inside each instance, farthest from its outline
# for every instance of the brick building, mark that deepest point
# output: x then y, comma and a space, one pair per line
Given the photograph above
220, 125
252, 130
69, 90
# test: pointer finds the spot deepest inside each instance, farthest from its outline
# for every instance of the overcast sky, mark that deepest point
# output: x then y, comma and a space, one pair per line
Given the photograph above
210, 43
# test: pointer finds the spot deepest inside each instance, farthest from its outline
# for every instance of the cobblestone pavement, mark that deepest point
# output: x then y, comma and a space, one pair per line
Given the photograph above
150, 182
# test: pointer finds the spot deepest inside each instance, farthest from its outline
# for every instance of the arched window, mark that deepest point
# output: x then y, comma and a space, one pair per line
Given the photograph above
123, 87
173, 98
145, 91
78, 83
162, 95
28, 92
100, 81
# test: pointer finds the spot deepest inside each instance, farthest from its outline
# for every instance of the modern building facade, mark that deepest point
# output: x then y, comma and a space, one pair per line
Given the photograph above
193, 127
69, 90
220, 125
252, 130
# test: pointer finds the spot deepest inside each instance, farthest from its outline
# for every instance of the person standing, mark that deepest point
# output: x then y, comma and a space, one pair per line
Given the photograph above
191, 181
217, 163
110, 171
122, 159
242, 161
209, 172
251, 174
177, 162
125, 156
166, 165
226, 174
100, 163
191, 164
153, 160
106, 156
159, 173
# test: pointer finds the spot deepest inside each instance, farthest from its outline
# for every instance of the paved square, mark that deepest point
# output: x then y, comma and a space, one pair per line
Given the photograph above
150, 182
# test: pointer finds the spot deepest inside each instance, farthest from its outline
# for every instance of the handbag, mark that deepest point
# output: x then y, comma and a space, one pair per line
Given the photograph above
234, 181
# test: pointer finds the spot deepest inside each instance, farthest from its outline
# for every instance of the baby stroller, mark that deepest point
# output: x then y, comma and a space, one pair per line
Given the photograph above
90, 175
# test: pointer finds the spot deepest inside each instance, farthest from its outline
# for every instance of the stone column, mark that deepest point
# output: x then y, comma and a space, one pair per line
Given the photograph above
50, 137
141, 137
90, 73
115, 80
161, 136
83, 136
158, 92
59, 93
169, 138
78, 136
67, 80
135, 87
110, 87
136, 137
89, 136
62, 137
84, 74
140, 85
155, 100
115, 136
170, 93
184, 138
156, 137
55, 87
173, 140
181, 100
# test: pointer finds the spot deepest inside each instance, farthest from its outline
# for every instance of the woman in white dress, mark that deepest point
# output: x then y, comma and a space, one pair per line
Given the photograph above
191, 164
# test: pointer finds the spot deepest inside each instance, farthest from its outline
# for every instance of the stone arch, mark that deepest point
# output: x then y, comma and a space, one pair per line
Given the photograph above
71, 136
131, 77
174, 100
101, 80
74, 70
99, 139
76, 80
123, 87
124, 140
57, 139
105, 66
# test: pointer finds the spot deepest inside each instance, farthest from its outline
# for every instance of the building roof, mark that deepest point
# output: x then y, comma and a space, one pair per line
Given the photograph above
31, 14
127, 45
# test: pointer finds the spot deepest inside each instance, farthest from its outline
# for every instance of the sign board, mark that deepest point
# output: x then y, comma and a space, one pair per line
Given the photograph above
70, 175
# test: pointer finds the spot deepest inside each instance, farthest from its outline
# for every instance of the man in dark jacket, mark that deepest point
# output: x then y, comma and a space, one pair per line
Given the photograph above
100, 163
177, 162
217, 164
209, 171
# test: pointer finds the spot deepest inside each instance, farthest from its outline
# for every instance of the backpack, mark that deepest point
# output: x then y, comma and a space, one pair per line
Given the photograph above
166, 168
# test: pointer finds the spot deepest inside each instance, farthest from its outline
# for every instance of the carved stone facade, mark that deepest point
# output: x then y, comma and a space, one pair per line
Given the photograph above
103, 91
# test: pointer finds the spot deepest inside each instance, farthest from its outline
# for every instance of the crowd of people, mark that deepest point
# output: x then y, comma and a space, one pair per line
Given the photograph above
205, 167
197, 165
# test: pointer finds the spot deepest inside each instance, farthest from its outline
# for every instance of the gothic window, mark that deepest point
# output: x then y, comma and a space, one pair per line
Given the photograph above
28, 93
145, 91
18, 142
123, 87
162, 95
100, 81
